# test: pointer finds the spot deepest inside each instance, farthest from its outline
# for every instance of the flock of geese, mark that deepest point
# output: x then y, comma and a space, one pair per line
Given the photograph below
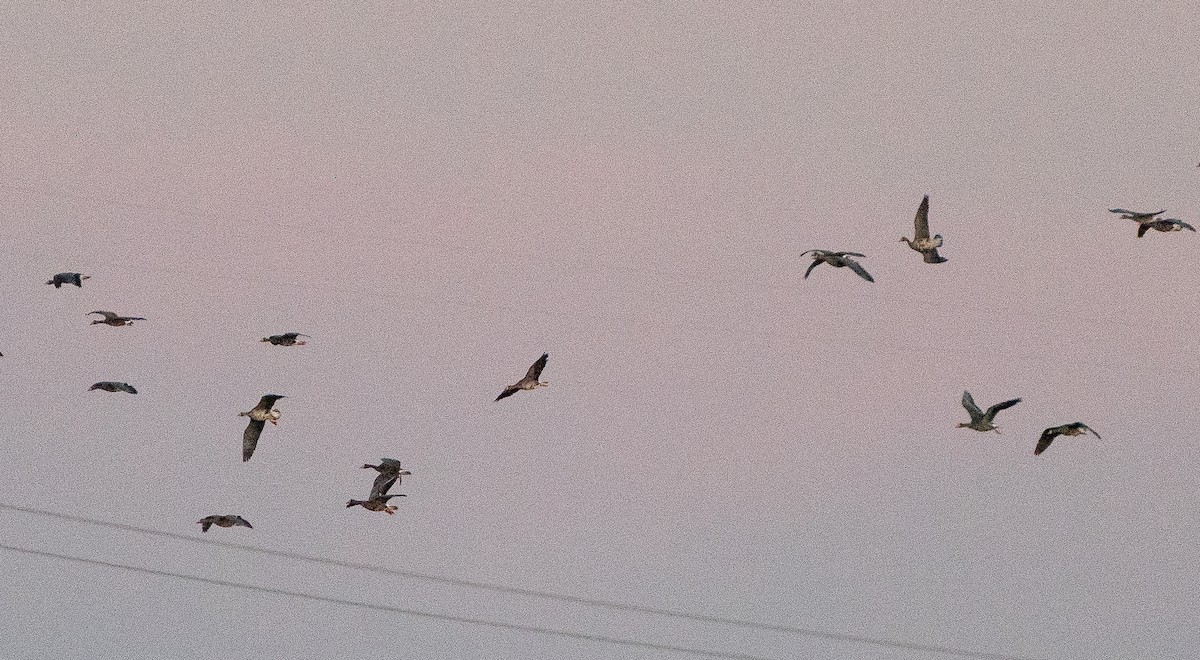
391, 472
927, 246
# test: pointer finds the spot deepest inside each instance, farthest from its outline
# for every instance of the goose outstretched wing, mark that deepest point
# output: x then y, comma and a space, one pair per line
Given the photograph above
250, 438
921, 221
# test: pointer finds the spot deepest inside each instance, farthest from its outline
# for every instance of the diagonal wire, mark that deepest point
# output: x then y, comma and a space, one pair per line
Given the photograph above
390, 608
594, 602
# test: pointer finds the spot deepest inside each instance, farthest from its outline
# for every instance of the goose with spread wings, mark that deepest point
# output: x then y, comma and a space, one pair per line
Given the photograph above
1048, 436
922, 242
114, 319
259, 416
378, 499
980, 420
530, 381
837, 260
60, 279
223, 521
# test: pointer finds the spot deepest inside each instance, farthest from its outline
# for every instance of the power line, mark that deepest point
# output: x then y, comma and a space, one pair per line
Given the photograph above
567, 598
389, 608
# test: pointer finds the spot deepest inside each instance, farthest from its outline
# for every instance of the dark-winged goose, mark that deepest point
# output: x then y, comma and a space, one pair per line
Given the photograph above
530, 381
259, 416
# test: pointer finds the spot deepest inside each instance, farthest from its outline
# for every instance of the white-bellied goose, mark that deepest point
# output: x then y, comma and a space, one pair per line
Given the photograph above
259, 416
1048, 436
530, 381
921, 241
837, 260
980, 420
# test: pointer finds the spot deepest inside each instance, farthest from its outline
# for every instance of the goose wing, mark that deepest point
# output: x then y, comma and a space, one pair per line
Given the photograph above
814, 264
108, 316
1143, 228
267, 401
383, 483
250, 438
1048, 436
921, 221
973, 410
932, 257
535, 369
508, 391
862, 272
1003, 405
849, 254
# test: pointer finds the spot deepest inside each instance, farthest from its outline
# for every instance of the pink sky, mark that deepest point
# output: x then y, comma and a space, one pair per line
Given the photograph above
438, 195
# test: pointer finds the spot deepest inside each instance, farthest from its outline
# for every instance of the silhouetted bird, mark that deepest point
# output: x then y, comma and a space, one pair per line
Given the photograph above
67, 278
837, 260
921, 241
259, 416
113, 386
286, 339
223, 521
1048, 436
113, 319
530, 381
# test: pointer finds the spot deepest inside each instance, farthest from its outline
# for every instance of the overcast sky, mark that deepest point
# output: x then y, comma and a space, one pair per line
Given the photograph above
438, 194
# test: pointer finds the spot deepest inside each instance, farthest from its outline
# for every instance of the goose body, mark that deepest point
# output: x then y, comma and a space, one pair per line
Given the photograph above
1048, 436
530, 381
113, 386
259, 415
60, 279
377, 503
114, 319
285, 339
980, 420
922, 242
223, 521
837, 260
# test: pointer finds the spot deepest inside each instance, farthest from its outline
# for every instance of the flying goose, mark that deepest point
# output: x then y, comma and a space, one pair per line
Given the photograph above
377, 503
837, 260
113, 319
1163, 224
982, 421
1048, 436
259, 416
286, 339
921, 241
113, 386
223, 521
68, 278
390, 473
530, 381
378, 500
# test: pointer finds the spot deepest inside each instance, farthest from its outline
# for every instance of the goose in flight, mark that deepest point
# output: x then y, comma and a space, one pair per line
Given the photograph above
68, 278
390, 473
1164, 225
286, 339
982, 421
378, 500
113, 319
837, 260
1048, 436
530, 381
259, 416
377, 503
921, 242
113, 386
223, 521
